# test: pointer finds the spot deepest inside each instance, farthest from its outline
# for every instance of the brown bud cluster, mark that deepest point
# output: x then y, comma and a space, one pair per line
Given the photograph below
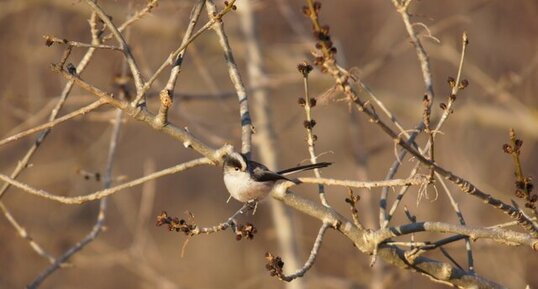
352, 200
309, 124
229, 5
463, 84
274, 265
302, 102
48, 40
321, 34
451, 82
524, 185
246, 231
174, 223
304, 68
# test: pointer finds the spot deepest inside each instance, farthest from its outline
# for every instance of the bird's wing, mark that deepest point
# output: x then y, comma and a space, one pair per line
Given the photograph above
262, 174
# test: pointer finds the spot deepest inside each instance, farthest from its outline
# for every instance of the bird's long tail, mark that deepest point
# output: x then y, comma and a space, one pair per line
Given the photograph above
303, 168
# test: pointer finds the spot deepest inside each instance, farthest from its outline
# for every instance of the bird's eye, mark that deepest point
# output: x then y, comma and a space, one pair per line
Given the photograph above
236, 169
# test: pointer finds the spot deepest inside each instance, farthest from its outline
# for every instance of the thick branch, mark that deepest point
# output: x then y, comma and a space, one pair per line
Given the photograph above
503, 236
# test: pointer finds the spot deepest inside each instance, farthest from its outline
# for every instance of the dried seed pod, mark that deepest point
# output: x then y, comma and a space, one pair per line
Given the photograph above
451, 81
463, 84
507, 148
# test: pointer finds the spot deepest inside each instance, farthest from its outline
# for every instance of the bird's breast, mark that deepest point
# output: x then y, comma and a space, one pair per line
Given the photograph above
244, 189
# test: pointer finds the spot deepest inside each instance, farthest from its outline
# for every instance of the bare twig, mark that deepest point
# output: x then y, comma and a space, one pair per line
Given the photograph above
384, 216
193, 19
182, 135
275, 264
368, 185
190, 229
235, 77
308, 103
25, 235
425, 66
50, 124
459, 214
99, 225
170, 61
135, 71
106, 192
51, 39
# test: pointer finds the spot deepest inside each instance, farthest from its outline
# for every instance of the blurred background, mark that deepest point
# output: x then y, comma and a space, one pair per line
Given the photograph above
500, 65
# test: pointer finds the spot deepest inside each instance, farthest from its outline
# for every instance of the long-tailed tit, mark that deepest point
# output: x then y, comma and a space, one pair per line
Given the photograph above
248, 180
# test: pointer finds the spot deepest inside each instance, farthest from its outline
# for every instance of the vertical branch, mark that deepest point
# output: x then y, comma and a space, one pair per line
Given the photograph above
176, 69
265, 136
98, 227
309, 124
425, 67
235, 77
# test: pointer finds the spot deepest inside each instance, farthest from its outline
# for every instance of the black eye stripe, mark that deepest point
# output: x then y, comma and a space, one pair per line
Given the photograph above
233, 163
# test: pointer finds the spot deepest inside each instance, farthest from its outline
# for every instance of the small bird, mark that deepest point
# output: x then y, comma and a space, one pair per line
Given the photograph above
249, 181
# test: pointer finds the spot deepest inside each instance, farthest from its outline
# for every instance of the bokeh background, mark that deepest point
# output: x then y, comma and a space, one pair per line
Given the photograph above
500, 65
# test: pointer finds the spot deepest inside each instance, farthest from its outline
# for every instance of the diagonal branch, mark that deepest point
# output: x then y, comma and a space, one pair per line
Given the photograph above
106, 192
94, 105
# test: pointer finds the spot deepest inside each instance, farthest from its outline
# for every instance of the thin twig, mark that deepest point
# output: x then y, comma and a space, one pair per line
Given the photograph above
311, 259
25, 235
51, 39
367, 185
170, 61
106, 192
225, 225
50, 124
176, 69
459, 214
425, 67
235, 77
135, 71
309, 126
188, 140
384, 216
100, 223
